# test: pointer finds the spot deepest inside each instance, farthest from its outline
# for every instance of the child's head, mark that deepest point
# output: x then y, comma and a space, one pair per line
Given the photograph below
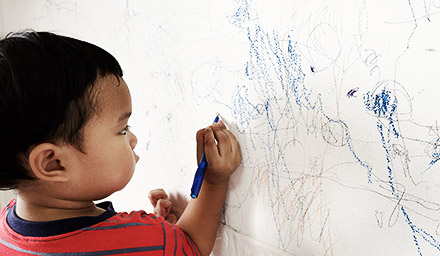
55, 92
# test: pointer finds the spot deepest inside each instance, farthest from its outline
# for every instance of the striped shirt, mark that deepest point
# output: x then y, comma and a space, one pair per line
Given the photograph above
112, 233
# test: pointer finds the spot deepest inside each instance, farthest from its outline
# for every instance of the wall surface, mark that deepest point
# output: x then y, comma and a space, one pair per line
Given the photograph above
1, 20
335, 104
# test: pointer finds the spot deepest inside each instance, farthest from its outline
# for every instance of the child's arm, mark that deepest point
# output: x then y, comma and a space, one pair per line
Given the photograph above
201, 216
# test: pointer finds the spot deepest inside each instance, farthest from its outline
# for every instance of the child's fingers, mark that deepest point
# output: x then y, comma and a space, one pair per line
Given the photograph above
235, 146
223, 143
220, 146
155, 195
172, 218
163, 208
222, 124
211, 150
200, 137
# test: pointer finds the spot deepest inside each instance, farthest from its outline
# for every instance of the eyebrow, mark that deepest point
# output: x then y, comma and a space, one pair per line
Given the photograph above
124, 116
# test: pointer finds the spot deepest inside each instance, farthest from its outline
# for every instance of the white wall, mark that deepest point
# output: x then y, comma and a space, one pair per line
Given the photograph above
6, 196
335, 104
1, 20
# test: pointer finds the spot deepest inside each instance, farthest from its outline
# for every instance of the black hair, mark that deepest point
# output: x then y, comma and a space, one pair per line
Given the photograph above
46, 83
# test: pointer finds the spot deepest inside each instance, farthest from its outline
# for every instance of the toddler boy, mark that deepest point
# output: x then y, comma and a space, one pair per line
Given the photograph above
65, 142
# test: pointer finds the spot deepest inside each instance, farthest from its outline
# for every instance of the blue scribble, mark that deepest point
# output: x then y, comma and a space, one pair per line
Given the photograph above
352, 92
278, 81
274, 70
436, 158
242, 14
433, 152
384, 105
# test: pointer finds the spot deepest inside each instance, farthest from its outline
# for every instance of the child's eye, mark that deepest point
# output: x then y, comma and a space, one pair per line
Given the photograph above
124, 131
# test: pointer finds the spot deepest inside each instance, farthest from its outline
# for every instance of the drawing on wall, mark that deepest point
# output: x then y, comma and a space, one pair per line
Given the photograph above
333, 102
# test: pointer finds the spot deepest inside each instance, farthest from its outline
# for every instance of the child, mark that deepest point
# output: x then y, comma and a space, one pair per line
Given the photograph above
65, 142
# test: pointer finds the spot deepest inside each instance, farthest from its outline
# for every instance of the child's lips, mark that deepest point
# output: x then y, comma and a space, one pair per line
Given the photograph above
136, 157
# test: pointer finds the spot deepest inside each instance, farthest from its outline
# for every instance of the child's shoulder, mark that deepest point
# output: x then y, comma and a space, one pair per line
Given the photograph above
137, 221
139, 226
137, 217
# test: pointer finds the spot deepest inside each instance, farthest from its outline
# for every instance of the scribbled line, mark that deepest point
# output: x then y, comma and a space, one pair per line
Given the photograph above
415, 22
283, 99
349, 143
421, 232
274, 61
383, 104
275, 73
433, 151
436, 157
352, 92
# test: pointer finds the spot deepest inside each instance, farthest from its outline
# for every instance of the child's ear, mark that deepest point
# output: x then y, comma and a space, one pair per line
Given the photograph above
46, 163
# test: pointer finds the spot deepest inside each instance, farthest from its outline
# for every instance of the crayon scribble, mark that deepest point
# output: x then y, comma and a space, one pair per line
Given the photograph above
284, 113
352, 92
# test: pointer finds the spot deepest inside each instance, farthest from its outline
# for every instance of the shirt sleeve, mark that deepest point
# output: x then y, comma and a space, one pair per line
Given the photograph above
176, 241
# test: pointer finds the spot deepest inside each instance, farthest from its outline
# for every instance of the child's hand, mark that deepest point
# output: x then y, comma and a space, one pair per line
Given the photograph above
162, 205
223, 157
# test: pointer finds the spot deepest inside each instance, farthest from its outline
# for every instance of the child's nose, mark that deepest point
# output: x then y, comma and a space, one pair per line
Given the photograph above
133, 140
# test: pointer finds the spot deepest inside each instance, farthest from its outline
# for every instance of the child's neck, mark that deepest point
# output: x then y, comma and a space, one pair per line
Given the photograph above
49, 209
